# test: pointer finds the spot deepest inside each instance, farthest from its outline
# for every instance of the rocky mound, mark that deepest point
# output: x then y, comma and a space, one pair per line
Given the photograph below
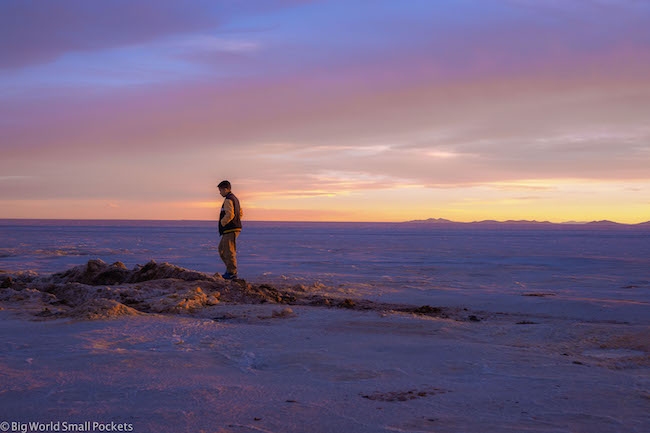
188, 301
97, 272
98, 290
100, 309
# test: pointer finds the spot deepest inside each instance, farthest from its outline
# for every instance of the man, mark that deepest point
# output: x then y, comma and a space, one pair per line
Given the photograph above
229, 229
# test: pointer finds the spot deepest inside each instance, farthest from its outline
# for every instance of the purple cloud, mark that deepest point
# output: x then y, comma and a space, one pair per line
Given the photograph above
34, 32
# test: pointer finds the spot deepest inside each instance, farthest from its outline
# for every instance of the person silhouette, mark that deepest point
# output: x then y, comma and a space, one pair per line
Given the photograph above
229, 228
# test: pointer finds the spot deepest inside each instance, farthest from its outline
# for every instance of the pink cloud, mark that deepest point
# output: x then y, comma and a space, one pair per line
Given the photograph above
507, 99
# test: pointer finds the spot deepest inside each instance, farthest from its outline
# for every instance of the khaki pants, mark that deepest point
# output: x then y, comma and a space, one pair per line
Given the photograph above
228, 251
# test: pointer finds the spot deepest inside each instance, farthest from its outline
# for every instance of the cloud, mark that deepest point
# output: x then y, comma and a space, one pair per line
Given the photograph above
213, 43
33, 33
39, 32
5, 178
281, 214
318, 102
519, 186
443, 154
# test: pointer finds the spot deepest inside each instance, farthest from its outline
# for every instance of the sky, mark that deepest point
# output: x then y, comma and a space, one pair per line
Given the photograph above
326, 110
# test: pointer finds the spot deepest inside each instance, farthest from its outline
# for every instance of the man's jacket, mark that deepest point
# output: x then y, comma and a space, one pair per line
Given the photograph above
230, 216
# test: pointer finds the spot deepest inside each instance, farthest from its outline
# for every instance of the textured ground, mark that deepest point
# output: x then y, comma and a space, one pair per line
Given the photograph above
170, 349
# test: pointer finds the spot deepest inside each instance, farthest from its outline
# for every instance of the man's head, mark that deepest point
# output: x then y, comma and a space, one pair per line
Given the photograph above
224, 188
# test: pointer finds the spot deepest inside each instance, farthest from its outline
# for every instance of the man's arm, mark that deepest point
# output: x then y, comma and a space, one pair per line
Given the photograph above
230, 212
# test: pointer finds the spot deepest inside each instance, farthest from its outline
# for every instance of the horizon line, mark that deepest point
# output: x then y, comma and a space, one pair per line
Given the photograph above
420, 221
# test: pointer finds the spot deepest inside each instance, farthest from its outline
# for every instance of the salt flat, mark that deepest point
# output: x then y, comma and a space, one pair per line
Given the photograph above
523, 330
235, 367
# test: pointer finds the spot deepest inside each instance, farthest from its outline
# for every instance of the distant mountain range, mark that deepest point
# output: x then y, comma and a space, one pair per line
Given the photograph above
592, 224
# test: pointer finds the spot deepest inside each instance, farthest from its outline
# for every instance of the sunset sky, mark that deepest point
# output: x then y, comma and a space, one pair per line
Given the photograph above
326, 110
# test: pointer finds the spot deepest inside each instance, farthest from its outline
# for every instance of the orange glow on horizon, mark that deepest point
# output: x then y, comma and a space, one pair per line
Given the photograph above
554, 200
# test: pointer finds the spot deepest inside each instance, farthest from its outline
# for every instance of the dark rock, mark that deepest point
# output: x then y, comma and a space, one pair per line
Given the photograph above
404, 395
97, 272
45, 312
426, 309
320, 301
85, 274
112, 276
473, 318
289, 299
224, 317
6, 282
157, 271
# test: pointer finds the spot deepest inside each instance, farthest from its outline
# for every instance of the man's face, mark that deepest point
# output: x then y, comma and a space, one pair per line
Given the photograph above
224, 191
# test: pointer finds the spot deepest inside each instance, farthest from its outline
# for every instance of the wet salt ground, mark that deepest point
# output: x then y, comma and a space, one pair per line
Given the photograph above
323, 370
423, 261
